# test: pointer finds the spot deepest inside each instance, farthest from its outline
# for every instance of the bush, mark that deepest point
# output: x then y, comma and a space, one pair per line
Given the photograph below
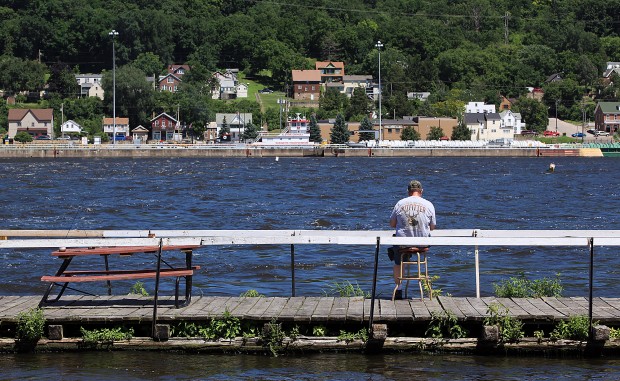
23, 137
576, 328
521, 287
30, 325
510, 329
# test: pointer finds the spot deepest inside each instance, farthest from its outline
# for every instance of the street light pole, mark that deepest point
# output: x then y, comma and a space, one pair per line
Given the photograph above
379, 45
113, 33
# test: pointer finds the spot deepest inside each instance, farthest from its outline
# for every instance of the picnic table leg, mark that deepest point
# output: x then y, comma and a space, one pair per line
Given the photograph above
107, 268
156, 288
60, 271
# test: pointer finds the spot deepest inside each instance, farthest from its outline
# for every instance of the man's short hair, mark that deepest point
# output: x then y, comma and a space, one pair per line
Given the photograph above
414, 185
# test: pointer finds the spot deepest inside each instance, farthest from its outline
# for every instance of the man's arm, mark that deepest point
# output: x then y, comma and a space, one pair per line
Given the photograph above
393, 222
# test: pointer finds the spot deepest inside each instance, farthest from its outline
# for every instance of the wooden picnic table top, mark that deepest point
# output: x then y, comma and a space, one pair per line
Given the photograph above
77, 251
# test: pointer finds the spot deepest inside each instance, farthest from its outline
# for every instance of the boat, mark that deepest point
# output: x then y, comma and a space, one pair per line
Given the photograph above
296, 133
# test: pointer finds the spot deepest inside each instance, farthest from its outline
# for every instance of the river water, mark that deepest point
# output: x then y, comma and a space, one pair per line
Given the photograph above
315, 193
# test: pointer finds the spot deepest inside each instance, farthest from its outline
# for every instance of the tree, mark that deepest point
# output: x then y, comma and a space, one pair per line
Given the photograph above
359, 103
340, 133
333, 102
149, 63
23, 137
461, 132
134, 95
224, 130
409, 133
534, 114
250, 132
62, 81
435, 133
315, 131
366, 125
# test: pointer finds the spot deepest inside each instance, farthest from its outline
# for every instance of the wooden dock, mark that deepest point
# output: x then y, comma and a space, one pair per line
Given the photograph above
304, 310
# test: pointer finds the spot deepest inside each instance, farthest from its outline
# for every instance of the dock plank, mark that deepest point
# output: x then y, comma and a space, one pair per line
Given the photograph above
479, 306
257, 312
339, 310
448, 304
306, 311
546, 311
290, 309
323, 309
419, 309
404, 310
274, 309
558, 306
387, 311
355, 311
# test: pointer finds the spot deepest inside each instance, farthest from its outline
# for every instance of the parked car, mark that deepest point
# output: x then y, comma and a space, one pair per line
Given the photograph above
551, 133
578, 135
602, 133
43, 137
591, 131
266, 90
528, 132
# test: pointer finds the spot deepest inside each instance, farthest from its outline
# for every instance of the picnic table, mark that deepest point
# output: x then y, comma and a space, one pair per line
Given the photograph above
64, 276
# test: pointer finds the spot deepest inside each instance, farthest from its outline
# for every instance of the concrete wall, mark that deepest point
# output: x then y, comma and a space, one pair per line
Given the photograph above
27, 151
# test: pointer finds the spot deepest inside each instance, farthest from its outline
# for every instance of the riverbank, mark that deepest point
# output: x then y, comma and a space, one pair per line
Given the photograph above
188, 151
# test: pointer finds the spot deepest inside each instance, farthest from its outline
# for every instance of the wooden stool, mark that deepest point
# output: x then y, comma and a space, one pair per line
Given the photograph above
414, 256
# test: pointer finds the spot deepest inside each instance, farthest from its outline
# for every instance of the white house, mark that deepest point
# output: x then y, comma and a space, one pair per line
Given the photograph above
241, 90
69, 127
487, 126
512, 120
479, 107
90, 85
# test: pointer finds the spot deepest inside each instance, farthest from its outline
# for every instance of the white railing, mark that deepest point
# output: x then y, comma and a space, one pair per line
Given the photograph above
475, 238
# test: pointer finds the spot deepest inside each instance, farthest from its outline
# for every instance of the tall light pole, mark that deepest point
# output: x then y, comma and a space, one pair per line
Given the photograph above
113, 33
379, 45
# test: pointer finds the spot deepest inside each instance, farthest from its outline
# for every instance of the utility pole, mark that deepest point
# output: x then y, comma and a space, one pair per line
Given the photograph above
506, 18
379, 45
113, 33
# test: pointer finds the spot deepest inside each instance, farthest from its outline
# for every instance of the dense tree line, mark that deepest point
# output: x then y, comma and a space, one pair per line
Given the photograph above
459, 50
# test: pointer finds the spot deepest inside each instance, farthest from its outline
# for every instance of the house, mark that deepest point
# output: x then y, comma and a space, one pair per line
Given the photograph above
241, 90
535, 93
487, 126
169, 82
236, 123
225, 85
140, 134
118, 127
607, 117
178, 70
33, 121
612, 67
555, 77
330, 71
352, 82
70, 127
90, 85
306, 85
512, 120
479, 107
419, 95
506, 104
165, 128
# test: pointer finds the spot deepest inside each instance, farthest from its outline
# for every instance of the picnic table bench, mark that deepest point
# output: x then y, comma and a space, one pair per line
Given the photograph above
63, 277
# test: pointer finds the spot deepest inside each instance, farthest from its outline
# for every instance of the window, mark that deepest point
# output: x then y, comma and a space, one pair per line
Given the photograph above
163, 123
298, 87
19, 124
170, 80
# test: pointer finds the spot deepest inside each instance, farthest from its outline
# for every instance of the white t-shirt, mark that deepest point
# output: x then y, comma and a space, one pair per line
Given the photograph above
414, 217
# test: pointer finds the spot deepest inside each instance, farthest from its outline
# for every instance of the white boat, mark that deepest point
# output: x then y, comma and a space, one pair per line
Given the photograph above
296, 133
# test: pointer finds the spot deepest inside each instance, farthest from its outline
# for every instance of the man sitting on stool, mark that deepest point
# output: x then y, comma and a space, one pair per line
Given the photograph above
413, 216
